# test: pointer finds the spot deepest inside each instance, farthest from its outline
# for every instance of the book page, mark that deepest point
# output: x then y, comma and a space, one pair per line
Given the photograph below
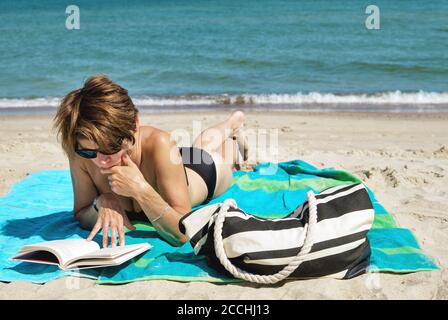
65, 250
112, 253
120, 257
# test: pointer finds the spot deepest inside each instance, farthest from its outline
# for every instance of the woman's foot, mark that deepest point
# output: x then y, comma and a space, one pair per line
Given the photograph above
243, 147
238, 118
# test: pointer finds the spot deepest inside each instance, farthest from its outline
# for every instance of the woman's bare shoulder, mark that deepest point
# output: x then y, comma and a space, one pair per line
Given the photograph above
153, 137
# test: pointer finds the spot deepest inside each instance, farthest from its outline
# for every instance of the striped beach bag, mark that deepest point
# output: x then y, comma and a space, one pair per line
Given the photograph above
326, 236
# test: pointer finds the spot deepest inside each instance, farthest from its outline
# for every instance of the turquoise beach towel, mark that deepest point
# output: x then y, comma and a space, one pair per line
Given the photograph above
39, 209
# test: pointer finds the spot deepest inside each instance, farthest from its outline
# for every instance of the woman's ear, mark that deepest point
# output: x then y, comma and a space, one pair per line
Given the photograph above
137, 121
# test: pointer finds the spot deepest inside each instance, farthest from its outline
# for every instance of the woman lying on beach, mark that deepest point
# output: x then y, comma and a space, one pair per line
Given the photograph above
122, 171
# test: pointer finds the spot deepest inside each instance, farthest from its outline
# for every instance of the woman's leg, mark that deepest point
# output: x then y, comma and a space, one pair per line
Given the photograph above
225, 138
218, 141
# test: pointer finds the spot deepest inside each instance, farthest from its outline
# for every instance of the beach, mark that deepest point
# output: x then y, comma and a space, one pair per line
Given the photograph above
402, 157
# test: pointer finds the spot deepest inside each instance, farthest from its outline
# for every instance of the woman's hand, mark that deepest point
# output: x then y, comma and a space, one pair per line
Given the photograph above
126, 180
110, 216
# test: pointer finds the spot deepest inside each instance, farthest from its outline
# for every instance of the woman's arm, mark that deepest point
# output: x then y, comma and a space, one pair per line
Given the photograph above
162, 215
109, 215
167, 207
84, 193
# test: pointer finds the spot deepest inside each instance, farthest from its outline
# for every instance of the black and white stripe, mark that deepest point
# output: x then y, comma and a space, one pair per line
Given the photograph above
265, 246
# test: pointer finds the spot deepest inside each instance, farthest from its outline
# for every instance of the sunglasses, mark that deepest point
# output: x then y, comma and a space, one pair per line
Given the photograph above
92, 153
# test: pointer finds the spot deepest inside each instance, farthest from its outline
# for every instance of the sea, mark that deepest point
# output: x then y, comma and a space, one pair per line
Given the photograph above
174, 55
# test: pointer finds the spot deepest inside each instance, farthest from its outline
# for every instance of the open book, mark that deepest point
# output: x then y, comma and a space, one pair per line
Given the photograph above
79, 253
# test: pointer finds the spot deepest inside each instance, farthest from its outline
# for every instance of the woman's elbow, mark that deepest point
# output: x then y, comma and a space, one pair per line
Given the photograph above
183, 239
179, 240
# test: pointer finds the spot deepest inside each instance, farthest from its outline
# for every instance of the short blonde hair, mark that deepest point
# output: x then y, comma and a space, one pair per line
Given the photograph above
101, 111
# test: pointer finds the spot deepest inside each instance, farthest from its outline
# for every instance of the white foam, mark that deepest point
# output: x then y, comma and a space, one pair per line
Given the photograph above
396, 97
29, 102
174, 101
312, 98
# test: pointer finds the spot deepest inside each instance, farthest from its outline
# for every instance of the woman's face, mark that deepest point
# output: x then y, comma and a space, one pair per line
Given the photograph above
103, 161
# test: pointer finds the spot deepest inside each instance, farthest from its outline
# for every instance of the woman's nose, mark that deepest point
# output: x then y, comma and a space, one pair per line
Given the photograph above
103, 159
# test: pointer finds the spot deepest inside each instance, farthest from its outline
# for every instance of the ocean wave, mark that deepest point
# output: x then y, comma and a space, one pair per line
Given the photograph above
395, 97
29, 102
312, 98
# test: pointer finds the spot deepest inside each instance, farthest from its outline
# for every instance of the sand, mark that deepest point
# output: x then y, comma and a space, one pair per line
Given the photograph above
402, 157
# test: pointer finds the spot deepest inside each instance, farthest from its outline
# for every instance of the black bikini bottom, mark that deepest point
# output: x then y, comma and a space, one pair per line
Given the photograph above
201, 162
